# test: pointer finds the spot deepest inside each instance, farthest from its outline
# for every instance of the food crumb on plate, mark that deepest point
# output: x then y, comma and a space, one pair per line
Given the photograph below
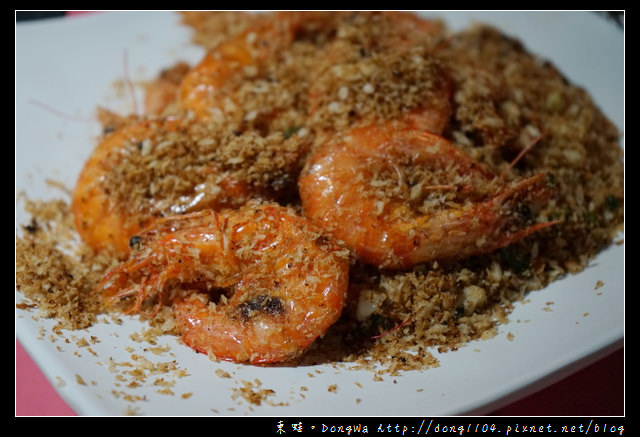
252, 392
222, 373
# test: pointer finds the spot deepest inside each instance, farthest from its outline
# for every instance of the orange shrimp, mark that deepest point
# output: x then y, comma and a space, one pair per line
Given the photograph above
283, 283
106, 220
100, 223
207, 89
382, 69
450, 207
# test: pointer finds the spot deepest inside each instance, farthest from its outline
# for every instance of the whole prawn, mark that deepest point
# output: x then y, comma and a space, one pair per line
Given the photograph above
101, 223
395, 221
279, 282
207, 90
115, 198
381, 66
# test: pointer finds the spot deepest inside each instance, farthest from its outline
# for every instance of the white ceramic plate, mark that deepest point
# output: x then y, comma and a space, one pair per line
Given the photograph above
66, 67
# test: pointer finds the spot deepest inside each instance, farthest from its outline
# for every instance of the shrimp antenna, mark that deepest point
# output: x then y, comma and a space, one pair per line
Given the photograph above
523, 152
128, 81
59, 113
395, 328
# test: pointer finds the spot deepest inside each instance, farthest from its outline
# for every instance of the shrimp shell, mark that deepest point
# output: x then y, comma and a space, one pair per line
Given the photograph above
279, 282
338, 193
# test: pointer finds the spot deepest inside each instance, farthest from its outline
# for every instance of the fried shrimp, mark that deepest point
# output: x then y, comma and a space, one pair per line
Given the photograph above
208, 89
402, 196
279, 282
155, 168
381, 66
101, 223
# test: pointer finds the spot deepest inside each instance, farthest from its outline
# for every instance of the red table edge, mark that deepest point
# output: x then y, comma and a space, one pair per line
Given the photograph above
596, 390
